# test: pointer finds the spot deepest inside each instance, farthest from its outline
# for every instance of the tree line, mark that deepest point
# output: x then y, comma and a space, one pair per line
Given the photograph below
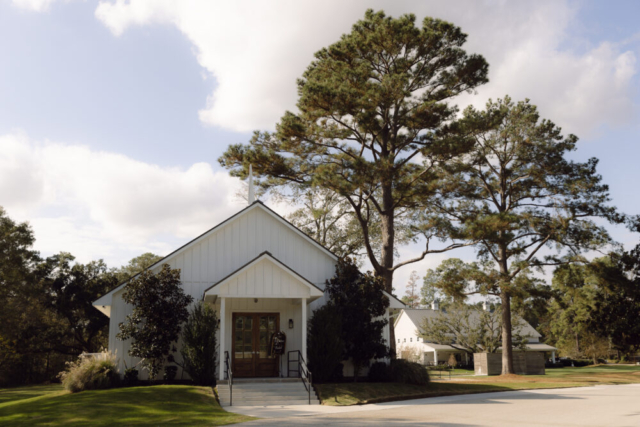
47, 317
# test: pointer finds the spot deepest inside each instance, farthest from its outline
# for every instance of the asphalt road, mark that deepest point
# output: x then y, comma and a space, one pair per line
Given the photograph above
584, 406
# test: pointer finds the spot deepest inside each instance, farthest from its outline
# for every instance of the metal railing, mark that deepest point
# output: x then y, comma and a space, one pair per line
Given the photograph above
227, 368
302, 370
442, 369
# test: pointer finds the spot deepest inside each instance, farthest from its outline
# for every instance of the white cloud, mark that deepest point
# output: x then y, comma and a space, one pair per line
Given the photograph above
256, 50
99, 204
34, 5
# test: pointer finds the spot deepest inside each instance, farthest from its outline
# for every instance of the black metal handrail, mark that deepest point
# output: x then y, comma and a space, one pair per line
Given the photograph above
302, 370
227, 365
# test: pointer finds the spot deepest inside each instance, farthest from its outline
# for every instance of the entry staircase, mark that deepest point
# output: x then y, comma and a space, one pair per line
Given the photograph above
269, 391
266, 392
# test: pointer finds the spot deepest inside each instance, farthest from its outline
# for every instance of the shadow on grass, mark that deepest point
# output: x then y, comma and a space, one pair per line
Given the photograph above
28, 392
159, 405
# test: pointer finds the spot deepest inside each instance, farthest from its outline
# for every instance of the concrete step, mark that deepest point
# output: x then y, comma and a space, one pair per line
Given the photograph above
275, 398
263, 385
264, 389
278, 395
237, 381
252, 403
267, 393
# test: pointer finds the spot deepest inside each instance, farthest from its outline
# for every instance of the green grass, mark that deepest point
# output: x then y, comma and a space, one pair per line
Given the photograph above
8, 395
359, 393
135, 406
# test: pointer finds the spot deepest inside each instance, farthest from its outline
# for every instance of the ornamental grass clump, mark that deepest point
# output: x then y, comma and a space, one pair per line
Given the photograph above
90, 372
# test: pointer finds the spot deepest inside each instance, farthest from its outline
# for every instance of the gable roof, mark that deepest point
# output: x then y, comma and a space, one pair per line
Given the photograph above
417, 316
104, 300
314, 290
394, 302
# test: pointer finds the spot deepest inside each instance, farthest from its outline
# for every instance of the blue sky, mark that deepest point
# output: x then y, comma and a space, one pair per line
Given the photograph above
113, 113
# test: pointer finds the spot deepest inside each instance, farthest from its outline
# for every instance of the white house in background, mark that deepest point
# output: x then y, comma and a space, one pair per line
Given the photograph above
410, 344
262, 275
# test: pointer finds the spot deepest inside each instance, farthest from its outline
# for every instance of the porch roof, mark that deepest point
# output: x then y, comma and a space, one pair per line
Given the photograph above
264, 277
443, 347
535, 347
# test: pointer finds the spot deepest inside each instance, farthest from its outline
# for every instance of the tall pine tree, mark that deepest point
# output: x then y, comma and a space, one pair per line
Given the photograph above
524, 202
371, 128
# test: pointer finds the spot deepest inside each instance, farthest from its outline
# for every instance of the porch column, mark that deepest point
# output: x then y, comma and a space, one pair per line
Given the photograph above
553, 356
222, 337
304, 330
435, 357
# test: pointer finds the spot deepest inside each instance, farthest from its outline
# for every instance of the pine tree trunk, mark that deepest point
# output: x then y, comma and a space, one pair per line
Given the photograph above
386, 262
507, 349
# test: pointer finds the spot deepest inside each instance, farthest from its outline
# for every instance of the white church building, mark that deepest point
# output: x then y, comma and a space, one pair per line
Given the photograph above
262, 275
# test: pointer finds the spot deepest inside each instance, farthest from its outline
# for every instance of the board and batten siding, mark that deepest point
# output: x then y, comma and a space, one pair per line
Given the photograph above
264, 279
225, 249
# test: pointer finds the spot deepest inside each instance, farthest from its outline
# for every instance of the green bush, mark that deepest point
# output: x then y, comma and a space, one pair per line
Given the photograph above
170, 373
379, 372
404, 371
198, 351
325, 347
90, 372
130, 377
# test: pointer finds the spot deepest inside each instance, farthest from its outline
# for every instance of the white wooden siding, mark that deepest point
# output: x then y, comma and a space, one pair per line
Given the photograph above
224, 250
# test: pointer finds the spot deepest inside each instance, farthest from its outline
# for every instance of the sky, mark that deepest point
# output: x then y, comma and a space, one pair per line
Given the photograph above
113, 113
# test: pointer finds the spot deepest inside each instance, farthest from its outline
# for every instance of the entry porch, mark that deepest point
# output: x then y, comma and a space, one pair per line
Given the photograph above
254, 303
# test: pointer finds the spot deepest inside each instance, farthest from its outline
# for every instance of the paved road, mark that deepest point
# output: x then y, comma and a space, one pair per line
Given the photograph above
584, 406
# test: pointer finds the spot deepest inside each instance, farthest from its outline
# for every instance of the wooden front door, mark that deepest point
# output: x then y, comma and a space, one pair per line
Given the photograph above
251, 346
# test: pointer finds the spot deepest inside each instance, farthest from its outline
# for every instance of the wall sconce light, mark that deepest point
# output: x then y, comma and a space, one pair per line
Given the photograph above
255, 300
218, 322
290, 323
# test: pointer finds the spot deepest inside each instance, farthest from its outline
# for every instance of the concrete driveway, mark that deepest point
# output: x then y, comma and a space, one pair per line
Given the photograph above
584, 406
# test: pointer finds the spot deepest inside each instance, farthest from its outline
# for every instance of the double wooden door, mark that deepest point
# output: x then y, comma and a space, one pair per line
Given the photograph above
251, 348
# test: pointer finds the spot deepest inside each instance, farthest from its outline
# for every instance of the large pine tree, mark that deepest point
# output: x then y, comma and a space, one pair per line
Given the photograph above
371, 128
525, 203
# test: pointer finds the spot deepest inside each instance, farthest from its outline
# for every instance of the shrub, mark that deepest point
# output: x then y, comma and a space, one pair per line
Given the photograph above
198, 351
403, 371
452, 361
360, 304
90, 372
325, 346
379, 372
159, 310
170, 373
409, 352
130, 377
552, 365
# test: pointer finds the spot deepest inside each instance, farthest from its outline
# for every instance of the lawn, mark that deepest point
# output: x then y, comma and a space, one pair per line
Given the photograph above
22, 393
360, 393
135, 406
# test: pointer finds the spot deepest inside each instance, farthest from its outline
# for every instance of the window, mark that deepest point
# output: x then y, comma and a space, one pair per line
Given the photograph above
398, 339
410, 339
405, 340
